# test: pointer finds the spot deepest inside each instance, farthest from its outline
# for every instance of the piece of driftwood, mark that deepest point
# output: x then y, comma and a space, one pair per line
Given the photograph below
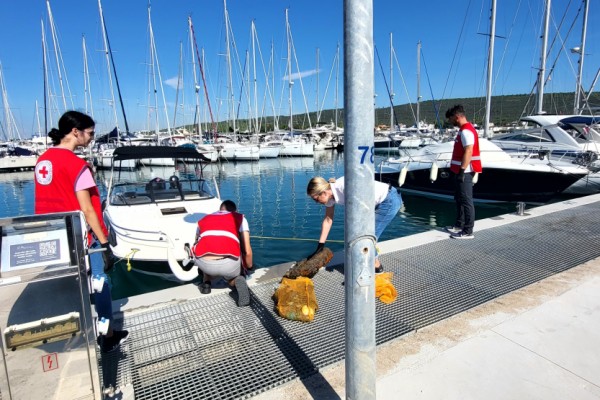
309, 268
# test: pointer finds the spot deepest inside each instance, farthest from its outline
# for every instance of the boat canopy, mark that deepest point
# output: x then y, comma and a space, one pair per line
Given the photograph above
139, 152
581, 120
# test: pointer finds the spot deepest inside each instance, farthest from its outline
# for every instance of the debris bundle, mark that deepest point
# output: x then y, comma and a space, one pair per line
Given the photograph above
295, 297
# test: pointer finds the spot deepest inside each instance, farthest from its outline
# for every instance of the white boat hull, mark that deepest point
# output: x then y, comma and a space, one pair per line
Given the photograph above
297, 149
17, 163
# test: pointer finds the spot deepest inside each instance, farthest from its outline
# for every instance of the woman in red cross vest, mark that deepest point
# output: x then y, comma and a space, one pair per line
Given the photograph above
64, 183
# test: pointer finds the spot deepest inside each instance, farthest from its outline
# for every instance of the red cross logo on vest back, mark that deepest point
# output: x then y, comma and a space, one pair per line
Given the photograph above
43, 172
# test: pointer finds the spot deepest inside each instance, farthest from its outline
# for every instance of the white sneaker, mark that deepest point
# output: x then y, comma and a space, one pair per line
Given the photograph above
453, 229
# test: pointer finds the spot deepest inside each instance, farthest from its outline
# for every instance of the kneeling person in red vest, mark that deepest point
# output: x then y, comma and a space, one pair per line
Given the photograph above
222, 249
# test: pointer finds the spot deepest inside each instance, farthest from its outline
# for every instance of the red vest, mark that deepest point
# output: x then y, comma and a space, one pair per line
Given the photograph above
56, 174
219, 235
459, 151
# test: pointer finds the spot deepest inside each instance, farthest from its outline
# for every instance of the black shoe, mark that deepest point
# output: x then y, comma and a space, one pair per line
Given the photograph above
205, 288
462, 235
379, 269
242, 291
109, 344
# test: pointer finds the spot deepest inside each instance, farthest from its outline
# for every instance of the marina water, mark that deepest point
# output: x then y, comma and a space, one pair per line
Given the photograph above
284, 222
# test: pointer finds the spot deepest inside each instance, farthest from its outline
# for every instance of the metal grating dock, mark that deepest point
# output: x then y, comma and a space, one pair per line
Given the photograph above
208, 348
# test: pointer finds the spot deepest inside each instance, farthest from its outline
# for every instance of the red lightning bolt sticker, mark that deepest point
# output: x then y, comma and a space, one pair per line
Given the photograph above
50, 362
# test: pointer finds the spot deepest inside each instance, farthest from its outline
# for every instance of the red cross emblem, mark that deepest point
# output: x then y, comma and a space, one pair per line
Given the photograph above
43, 172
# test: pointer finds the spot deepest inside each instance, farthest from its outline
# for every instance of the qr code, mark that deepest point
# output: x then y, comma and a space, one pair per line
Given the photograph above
47, 249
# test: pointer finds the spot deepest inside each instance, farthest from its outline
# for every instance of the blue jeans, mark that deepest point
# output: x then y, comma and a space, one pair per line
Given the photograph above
386, 211
465, 209
103, 299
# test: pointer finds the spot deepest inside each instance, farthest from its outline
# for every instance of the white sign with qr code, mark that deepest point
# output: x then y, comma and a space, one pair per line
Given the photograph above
41, 249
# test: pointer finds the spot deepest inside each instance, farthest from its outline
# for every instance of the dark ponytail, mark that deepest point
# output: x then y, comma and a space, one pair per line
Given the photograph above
66, 123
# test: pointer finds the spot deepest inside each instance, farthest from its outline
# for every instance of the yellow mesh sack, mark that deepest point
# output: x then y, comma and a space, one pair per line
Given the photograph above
295, 299
384, 289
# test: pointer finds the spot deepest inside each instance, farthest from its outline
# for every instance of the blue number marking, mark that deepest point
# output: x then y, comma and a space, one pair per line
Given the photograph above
364, 150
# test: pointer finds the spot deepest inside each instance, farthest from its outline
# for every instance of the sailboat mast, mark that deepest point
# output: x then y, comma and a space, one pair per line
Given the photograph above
256, 127
156, 68
289, 68
108, 71
56, 51
490, 67
44, 64
231, 106
391, 83
86, 81
272, 64
542, 71
196, 85
37, 118
418, 121
200, 63
179, 79
9, 132
337, 83
581, 51
318, 109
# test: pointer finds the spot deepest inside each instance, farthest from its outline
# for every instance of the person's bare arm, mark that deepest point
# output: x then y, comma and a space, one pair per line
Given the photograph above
327, 223
246, 249
85, 204
466, 159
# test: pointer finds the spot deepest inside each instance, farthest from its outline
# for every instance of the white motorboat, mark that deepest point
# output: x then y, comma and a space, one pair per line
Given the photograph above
540, 133
12, 160
154, 220
504, 178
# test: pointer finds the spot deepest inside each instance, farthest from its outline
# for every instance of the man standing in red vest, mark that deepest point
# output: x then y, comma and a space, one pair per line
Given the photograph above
466, 161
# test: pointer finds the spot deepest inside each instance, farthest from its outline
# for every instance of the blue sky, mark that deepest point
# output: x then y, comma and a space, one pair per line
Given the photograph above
454, 54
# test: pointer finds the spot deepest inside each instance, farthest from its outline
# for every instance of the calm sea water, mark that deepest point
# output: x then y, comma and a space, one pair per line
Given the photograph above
284, 222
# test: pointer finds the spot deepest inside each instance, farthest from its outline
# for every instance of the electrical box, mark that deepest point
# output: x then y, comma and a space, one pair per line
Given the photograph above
46, 322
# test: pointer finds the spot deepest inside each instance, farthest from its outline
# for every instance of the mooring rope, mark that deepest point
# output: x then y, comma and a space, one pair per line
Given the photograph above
303, 239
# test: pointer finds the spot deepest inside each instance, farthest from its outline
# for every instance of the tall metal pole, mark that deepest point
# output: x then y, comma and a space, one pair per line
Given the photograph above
360, 199
488, 97
581, 55
542, 71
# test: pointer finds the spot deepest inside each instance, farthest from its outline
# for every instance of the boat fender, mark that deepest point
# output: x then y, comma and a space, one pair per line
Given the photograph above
434, 172
178, 271
402, 176
475, 177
